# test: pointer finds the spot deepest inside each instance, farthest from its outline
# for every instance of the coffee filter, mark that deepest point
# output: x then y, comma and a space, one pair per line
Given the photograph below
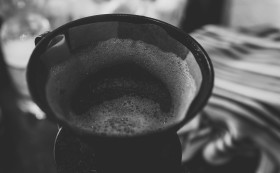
64, 52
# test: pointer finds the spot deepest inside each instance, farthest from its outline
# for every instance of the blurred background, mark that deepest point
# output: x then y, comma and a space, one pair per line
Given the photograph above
232, 32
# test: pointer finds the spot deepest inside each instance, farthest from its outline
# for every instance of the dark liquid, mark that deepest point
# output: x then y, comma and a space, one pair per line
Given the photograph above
122, 99
120, 80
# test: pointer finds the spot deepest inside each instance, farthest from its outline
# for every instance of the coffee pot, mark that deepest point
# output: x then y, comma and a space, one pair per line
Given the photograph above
98, 63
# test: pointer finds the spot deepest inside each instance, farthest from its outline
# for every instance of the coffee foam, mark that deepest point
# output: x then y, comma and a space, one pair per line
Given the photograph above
168, 67
127, 115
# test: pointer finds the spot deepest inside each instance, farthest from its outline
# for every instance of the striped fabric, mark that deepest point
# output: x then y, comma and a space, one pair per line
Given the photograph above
243, 114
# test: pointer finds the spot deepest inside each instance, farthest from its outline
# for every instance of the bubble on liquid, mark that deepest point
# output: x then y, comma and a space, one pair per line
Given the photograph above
126, 115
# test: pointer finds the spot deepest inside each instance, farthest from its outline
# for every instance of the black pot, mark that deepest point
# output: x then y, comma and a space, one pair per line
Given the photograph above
61, 45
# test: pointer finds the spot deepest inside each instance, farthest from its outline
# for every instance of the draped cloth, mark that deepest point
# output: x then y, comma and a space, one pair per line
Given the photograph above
243, 113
